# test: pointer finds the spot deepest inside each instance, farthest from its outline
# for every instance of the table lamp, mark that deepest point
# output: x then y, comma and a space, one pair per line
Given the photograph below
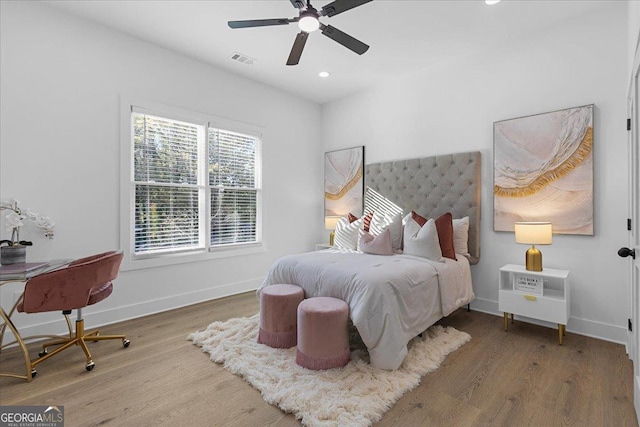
330, 223
533, 233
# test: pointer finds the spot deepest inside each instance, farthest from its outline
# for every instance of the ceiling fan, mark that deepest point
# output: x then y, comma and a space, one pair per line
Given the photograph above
309, 21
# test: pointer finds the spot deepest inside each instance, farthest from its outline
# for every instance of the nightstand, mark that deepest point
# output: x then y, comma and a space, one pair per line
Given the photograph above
322, 246
542, 295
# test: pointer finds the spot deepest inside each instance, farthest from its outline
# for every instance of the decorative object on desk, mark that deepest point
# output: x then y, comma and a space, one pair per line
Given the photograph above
343, 181
15, 217
18, 269
543, 170
330, 223
356, 395
15, 251
533, 233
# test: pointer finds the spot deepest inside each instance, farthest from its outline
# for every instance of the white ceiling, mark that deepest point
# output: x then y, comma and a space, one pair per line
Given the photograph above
405, 36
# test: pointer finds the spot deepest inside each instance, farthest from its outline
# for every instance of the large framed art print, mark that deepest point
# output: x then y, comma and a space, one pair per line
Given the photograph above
543, 170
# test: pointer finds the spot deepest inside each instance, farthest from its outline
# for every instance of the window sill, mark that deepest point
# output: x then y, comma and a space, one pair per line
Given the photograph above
129, 262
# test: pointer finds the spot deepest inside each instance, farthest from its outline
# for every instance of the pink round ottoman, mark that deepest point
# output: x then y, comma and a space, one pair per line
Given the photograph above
278, 305
323, 341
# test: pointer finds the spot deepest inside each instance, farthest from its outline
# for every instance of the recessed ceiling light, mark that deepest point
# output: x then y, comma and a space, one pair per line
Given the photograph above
490, 2
324, 74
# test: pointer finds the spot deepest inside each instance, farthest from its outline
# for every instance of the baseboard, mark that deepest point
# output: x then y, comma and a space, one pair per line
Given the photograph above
576, 325
589, 328
145, 308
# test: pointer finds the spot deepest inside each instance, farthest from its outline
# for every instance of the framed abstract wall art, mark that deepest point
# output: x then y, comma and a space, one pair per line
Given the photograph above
344, 181
543, 170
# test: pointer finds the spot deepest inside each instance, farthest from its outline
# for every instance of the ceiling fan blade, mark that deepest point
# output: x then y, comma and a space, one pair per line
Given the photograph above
344, 39
340, 6
296, 50
298, 4
259, 23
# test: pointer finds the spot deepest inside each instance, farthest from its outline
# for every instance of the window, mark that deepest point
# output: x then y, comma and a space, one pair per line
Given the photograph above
193, 186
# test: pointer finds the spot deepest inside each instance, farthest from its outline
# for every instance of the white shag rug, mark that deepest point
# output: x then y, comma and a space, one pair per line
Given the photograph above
356, 395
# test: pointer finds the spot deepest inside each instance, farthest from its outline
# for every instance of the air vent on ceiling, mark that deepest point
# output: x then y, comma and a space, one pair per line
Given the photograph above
237, 56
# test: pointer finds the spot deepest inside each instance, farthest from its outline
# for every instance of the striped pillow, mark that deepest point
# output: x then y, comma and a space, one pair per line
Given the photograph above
366, 219
346, 236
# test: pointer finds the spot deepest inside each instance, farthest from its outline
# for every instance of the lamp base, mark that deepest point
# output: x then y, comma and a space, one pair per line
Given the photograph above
332, 237
534, 259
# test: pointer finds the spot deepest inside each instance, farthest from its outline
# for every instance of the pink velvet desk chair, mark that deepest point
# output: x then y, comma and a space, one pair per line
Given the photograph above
83, 282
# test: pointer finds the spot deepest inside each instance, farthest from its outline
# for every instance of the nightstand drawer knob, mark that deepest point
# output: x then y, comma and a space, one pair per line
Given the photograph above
530, 298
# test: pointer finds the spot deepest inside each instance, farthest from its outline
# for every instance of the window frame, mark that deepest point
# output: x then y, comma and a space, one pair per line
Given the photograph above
132, 261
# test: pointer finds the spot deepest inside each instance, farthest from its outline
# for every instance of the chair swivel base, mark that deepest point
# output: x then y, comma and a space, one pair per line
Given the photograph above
80, 339
77, 338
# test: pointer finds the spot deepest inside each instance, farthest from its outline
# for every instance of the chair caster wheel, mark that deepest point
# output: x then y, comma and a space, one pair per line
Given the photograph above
34, 373
42, 353
125, 343
90, 366
97, 334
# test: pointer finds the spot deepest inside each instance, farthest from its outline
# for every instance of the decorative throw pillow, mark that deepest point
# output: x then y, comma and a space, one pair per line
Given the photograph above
381, 222
444, 225
366, 219
461, 235
422, 241
418, 218
346, 236
376, 245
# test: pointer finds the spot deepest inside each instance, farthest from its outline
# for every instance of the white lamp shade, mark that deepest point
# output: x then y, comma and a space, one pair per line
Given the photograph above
533, 233
330, 222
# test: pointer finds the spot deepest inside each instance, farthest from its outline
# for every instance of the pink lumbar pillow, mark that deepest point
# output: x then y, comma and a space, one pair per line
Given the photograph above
376, 245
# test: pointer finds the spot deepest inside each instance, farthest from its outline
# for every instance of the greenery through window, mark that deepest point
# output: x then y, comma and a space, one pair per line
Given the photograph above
193, 180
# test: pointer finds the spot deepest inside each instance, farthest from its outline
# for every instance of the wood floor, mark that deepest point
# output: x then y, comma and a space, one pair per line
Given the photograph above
516, 378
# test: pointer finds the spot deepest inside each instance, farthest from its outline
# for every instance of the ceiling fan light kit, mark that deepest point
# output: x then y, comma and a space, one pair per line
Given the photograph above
309, 20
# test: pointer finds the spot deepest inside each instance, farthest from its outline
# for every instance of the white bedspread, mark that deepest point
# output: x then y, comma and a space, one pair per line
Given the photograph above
391, 298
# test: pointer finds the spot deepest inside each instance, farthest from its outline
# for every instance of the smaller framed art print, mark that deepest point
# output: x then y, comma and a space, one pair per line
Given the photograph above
344, 182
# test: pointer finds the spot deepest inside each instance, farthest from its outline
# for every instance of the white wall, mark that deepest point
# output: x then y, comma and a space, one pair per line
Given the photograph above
452, 109
61, 79
633, 30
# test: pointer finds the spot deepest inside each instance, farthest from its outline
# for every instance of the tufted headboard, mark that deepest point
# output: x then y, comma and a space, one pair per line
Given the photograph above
432, 186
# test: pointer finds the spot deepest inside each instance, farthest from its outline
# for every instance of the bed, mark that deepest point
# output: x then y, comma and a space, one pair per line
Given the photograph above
394, 298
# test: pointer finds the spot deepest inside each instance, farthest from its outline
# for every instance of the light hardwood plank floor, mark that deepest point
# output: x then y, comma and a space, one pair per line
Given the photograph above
516, 378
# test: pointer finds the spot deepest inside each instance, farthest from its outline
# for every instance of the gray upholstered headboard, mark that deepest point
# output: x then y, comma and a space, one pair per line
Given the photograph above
432, 186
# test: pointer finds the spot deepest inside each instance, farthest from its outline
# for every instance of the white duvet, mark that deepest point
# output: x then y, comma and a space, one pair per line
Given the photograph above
391, 298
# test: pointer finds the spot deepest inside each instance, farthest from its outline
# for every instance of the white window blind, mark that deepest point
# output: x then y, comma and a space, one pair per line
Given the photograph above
233, 186
167, 216
190, 178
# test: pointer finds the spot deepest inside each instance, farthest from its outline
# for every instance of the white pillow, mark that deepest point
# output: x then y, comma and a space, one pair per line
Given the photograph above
461, 235
381, 222
422, 241
346, 236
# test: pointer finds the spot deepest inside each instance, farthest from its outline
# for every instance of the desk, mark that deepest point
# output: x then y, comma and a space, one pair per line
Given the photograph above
23, 272
11, 274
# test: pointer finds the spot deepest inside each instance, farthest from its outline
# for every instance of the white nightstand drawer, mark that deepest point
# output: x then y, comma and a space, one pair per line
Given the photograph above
535, 306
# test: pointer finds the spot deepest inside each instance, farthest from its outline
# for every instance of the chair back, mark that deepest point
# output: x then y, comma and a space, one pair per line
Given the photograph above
70, 287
